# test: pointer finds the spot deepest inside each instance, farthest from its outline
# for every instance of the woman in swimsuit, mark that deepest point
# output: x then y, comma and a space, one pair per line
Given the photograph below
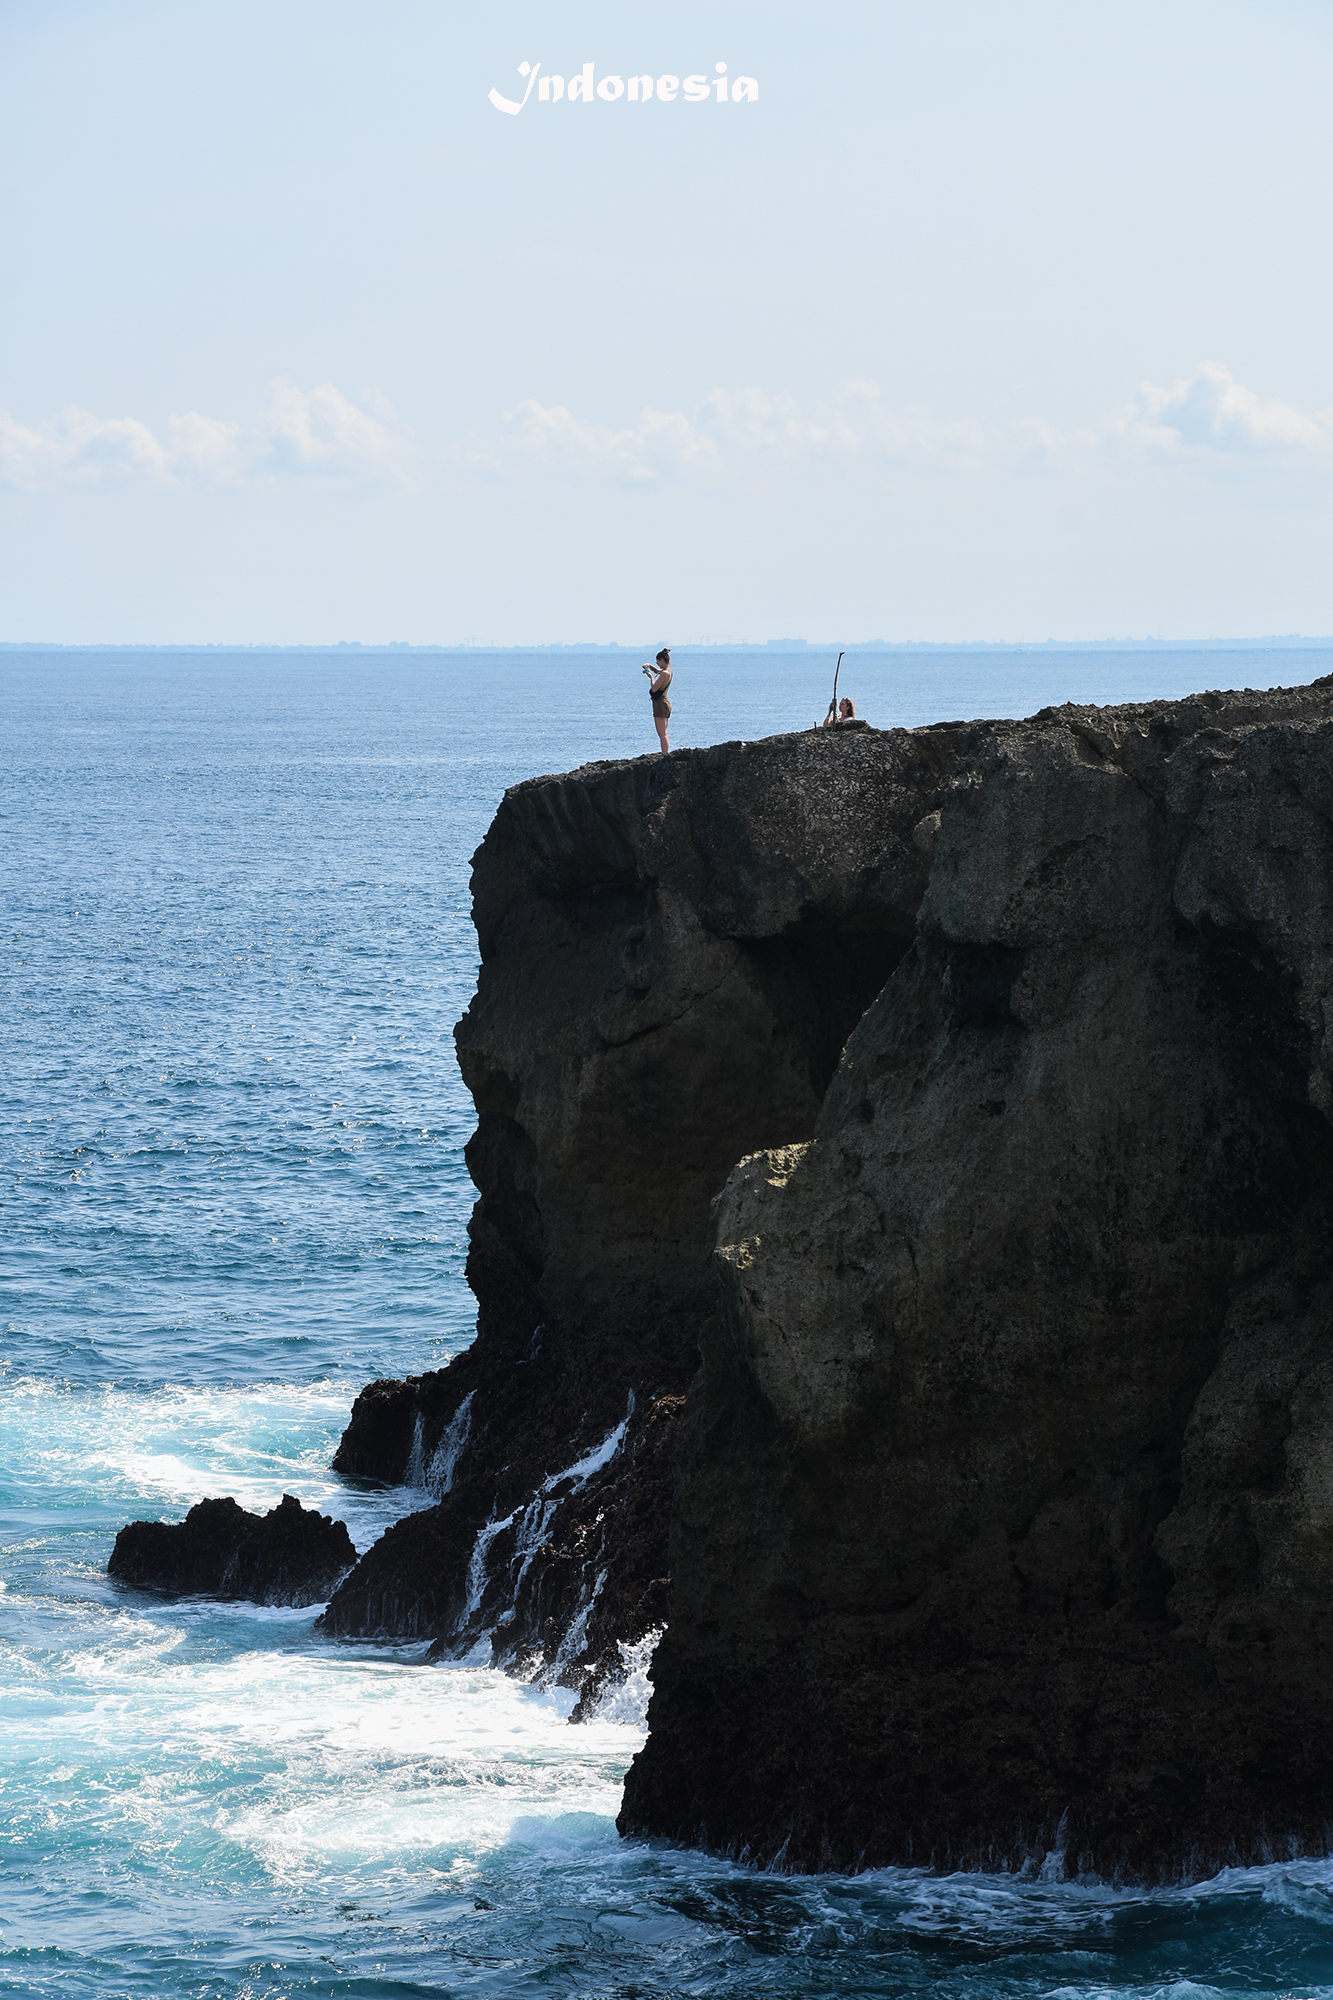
659, 681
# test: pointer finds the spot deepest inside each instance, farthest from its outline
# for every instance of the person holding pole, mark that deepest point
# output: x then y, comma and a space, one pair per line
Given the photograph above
839, 711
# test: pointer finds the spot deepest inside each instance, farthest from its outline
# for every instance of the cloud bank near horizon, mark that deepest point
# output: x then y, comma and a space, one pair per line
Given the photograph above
301, 431
1208, 420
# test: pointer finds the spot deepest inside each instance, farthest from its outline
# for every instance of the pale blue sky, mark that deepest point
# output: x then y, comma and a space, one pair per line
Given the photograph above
983, 322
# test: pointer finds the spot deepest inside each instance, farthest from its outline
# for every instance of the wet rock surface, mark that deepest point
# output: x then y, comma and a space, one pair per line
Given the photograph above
1004, 1525
674, 952
291, 1555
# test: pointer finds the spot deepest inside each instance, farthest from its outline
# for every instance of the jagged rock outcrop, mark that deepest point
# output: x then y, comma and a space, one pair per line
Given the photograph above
674, 952
1005, 1518
291, 1555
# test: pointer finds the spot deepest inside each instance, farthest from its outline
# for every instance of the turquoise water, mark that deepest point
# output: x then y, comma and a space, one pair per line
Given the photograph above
233, 902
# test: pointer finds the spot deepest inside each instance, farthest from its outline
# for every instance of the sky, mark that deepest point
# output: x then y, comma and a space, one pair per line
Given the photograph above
968, 321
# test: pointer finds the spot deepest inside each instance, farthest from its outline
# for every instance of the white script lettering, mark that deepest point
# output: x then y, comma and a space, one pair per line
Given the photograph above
507, 103
584, 88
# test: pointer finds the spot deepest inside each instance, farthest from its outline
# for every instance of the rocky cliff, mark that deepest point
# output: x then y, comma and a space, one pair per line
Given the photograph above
1004, 1521
674, 952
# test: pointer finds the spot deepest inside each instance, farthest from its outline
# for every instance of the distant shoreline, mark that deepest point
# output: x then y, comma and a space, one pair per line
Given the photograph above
1283, 643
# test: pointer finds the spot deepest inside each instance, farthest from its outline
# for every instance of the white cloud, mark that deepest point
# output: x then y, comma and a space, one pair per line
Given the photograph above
731, 429
854, 424
299, 431
210, 447
79, 449
1208, 420
659, 443
320, 430
1211, 412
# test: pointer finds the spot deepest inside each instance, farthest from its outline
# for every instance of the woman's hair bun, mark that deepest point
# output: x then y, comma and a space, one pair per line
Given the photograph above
665, 653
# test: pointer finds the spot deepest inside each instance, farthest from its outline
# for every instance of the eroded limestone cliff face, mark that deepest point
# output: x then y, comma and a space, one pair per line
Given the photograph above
674, 952
1004, 1526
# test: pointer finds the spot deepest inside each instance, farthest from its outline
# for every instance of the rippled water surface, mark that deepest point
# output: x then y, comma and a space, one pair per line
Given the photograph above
234, 911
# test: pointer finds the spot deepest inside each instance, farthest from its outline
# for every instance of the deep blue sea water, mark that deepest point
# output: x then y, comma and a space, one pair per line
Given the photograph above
234, 913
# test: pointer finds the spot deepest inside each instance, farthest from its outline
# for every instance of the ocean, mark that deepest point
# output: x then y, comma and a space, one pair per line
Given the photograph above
234, 908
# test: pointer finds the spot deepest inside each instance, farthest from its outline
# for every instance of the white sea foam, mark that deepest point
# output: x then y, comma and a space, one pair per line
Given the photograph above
476, 1569
415, 1474
626, 1701
576, 1632
444, 1460
154, 1453
534, 1521
317, 1754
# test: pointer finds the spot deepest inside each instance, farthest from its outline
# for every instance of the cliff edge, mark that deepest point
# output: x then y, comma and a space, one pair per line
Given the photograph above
674, 951
1004, 1521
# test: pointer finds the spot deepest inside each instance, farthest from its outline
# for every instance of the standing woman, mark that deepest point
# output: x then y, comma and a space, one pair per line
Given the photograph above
658, 683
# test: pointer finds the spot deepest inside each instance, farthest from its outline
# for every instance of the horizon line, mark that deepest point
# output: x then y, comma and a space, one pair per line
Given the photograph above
1272, 641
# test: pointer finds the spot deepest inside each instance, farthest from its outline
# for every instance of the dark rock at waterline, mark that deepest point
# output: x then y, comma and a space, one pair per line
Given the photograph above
379, 1432
561, 1587
674, 951
291, 1555
384, 1424
1004, 1526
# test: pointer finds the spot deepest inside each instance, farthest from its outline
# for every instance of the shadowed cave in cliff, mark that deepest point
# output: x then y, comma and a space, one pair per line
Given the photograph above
818, 978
